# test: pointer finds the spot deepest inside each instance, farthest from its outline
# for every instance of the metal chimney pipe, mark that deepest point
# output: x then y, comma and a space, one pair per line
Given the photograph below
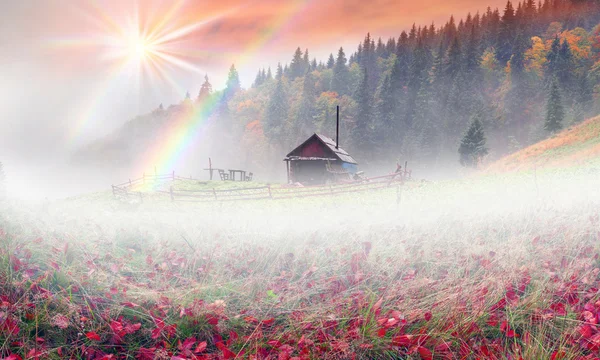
337, 127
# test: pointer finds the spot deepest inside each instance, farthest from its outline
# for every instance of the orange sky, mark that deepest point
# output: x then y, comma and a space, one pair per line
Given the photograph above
57, 45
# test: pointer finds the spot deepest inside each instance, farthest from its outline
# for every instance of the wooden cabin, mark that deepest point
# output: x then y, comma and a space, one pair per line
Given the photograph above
319, 160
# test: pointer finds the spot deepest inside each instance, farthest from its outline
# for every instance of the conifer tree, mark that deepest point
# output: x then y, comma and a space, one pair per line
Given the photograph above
277, 110
330, 62
304, 121
205, 90
361, 133
473, 144
233, 82
297, 65
552, 59
385, 109
555, 112
506, 34
259, 79
341, 75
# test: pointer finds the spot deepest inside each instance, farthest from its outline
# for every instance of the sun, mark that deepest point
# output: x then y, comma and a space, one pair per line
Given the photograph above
139, 48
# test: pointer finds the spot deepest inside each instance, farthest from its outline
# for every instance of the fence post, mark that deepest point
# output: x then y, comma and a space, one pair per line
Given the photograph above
215, 193
270, 194
171, 192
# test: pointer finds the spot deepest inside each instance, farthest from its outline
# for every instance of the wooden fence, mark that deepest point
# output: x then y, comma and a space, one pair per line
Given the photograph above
266, 192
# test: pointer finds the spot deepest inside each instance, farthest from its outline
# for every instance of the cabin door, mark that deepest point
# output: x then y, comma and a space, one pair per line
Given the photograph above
311, 172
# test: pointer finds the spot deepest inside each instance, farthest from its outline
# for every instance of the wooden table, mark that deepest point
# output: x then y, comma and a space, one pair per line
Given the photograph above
232, 173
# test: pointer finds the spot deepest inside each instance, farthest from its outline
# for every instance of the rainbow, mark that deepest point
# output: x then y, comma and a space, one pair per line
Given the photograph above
186, 124
185, 130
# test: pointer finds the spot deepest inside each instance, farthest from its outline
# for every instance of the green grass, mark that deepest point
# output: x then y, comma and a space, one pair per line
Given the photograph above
325, 274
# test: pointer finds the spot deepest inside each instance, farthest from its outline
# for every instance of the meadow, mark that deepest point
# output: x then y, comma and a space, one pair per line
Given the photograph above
487, 267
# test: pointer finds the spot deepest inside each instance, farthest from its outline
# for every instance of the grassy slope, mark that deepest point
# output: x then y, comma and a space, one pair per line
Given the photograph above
577, 145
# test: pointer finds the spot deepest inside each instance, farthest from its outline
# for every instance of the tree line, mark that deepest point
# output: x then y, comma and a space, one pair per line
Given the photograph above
485, 85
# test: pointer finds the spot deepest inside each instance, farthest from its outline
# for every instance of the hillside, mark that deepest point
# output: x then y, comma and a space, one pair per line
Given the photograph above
576, 145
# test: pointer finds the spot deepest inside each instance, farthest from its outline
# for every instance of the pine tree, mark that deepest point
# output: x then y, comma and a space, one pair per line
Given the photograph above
564, 70
385, 109
507, 34
233, 82
361, 133
330, 62
341, 75
305, 62
269, 75
277, 110
473, 144
205, 90
305, 117
555, 112
453, 60
259, 79
552, 59
297, 65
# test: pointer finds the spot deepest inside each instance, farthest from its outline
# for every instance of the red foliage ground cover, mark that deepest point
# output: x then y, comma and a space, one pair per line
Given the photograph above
359, 300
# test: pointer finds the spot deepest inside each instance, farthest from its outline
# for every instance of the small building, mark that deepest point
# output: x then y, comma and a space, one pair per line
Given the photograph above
319, 160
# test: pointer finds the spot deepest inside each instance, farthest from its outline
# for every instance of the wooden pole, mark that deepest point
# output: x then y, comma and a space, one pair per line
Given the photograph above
215, 193
270, 194
287, 165
210, 170
337, 127
171, 192
405, 169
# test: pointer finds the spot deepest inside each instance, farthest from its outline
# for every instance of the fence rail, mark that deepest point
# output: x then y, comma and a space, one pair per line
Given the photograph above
267, 192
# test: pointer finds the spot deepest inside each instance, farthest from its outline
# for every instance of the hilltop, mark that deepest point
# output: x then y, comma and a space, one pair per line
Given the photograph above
576, 145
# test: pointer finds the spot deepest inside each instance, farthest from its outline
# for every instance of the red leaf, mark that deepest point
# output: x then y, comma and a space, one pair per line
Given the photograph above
402, 340
201, 347
227, 354
428, 316
381, 333
129, 304
93, 336
425, 353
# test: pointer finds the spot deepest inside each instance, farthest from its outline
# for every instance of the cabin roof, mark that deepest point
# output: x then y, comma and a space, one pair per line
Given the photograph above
329, 143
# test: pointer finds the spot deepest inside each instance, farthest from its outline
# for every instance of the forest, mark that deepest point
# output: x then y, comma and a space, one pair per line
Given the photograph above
468, 92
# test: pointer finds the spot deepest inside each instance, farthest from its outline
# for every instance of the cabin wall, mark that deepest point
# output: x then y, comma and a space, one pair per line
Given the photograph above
309, 172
